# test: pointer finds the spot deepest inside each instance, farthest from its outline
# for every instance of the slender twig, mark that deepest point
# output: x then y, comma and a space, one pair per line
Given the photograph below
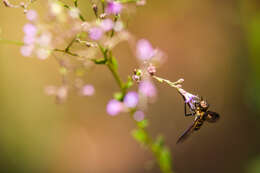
14, 42
149, 142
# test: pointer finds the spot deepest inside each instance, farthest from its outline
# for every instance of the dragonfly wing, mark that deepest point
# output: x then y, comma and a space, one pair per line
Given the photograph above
187, 132
212, 117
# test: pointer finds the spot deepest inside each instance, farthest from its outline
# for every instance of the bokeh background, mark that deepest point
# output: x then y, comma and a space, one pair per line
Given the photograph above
214, 45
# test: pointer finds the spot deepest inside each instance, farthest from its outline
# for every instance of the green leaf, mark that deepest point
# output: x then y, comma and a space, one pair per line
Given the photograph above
142, 124
118, 96
158, 144
165, 160
76, 3
66, 6
129, 83
100, 61
140, 136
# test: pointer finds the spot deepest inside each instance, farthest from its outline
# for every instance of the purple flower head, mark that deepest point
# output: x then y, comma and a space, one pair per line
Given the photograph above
30, 29
139, 116
114, 107
147, 88
113, 7
29, 39
151, 69
119, 26
31, 15
44, 40
189, 98
88, 90
131, 99
107, 24
144, 50
95, 33
62, 93
27, 50
42, 53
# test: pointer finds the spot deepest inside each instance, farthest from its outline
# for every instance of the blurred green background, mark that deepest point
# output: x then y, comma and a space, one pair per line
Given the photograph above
214, 45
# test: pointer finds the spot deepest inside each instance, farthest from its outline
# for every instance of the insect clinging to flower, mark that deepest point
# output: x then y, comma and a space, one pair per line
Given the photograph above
199, 108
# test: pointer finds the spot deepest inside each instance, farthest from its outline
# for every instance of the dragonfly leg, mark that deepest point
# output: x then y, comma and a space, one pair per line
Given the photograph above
185, 111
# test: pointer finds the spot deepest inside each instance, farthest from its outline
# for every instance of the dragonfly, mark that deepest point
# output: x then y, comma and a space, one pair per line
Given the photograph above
199, 109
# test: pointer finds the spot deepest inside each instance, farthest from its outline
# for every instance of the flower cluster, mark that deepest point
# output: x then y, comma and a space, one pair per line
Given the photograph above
35, 41
77, 43
131, 100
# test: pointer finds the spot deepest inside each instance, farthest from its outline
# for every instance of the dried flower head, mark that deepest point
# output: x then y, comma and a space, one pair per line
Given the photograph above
151, 69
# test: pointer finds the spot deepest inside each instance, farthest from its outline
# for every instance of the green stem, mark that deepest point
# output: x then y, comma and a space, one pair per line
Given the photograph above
14, 42
160, 152
70, 44
68, 7
115, 75
172, 84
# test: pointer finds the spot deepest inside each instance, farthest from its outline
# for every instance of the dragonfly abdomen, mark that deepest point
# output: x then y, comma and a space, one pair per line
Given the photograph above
198, 124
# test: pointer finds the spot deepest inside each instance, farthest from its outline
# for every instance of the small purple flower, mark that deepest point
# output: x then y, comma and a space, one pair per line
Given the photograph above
27, 50
189, 98
107, 24
95, 33
62, 93
113, 7
114, 107
29, 39
139, 116
44, 40
119, 26
88, 90
131, 99
30, 29
144, 50
151, 69
31, 15
147, 88
42, 53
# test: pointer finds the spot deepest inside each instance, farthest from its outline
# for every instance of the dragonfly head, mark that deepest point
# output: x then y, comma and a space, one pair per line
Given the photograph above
203, 105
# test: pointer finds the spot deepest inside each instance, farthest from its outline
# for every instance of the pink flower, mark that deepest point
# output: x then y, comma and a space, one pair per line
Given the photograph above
131, 99
88, 90
31, 15
114, 107
27, 50
113, 7
107, 24
147, 88
30, 29
29, 39
139, 116
144, 50
44, 40
42, 53
95, 33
